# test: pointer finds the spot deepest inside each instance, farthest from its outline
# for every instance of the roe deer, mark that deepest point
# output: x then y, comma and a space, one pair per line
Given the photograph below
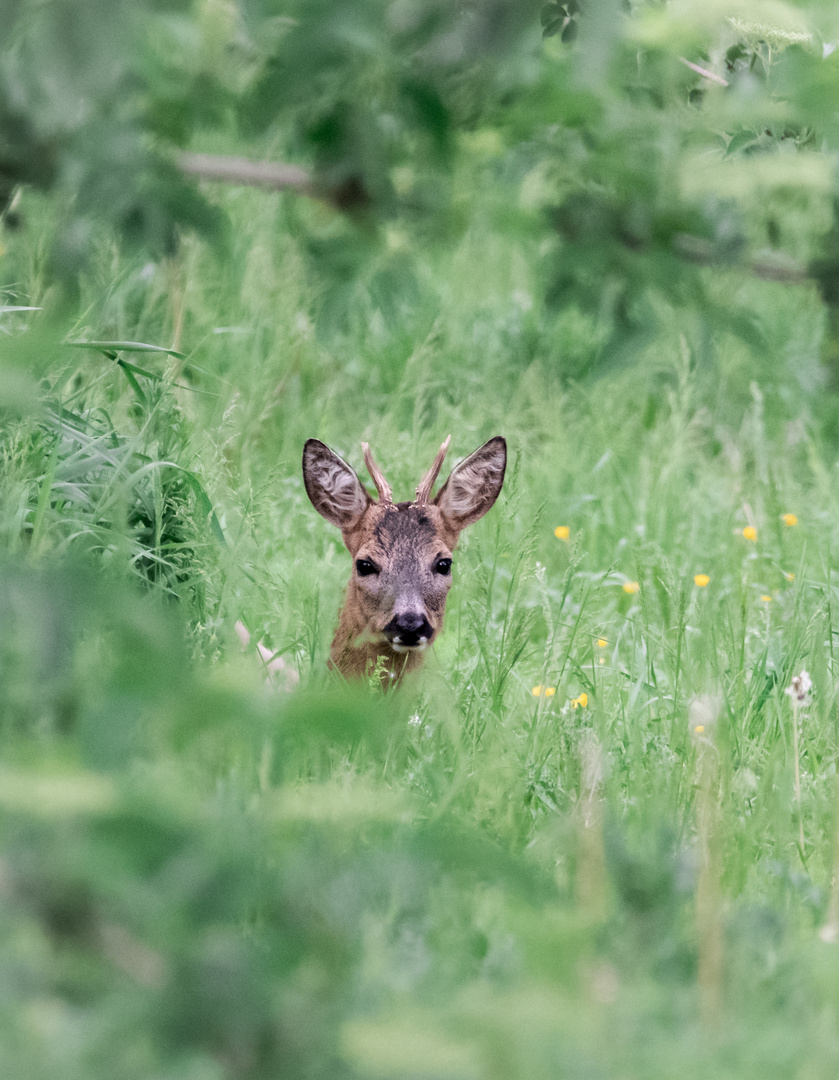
402, 552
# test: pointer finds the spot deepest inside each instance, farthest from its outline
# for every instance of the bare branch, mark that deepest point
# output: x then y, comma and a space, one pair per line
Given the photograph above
235, 170
786, 271
697, 250
718, 79
278, 176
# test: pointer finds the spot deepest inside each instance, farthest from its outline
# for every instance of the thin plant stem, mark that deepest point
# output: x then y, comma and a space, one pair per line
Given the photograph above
795, 752
708, 900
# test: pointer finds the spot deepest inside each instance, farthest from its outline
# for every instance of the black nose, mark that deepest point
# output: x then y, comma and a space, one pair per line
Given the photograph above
410, 628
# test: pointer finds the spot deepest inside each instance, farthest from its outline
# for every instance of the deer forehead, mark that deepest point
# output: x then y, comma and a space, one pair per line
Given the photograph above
401, 531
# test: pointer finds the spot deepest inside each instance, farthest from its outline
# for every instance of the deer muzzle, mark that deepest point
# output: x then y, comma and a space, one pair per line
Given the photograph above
408, 630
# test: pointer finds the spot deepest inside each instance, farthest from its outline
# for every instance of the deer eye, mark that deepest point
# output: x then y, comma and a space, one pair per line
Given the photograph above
443, 566
365, 567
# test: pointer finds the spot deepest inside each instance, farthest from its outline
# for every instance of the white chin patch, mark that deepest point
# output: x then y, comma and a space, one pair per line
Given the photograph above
399, 647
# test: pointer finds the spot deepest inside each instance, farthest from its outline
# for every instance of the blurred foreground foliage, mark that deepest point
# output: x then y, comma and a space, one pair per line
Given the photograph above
638, 144
201, 879
198, 921
596, 838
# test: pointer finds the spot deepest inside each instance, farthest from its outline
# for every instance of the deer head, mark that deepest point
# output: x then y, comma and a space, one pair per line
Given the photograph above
402, 552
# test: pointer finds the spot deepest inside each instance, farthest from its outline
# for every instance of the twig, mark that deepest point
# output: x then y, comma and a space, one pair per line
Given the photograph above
785, 271
718, 79
696, 249
350, 195
275, 175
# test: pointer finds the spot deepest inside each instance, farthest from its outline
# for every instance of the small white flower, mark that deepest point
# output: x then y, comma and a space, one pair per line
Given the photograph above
829, 933
800, 687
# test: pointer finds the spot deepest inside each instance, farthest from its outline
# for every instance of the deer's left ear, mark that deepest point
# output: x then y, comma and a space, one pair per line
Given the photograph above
474, 484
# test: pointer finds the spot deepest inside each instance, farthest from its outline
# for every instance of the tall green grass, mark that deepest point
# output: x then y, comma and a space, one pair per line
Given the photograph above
206, 876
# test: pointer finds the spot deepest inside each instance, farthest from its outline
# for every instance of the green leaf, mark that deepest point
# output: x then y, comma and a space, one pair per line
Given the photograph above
204, 503
125, 346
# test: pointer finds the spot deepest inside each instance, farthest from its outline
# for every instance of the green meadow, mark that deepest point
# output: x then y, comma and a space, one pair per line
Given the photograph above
596, 836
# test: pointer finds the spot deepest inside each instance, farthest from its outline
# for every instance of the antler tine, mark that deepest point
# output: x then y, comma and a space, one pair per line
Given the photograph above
377, 476
427, 482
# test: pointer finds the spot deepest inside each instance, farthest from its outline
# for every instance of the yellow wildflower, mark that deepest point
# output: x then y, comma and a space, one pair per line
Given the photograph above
789, 577
562, 532
750, 533
539, 690
701, 580
699, 729
602, 643
550, 691
766, 598
631, 587
581, 701
789, 520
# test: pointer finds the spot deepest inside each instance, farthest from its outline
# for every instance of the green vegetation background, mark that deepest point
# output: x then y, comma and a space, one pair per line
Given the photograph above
595, 837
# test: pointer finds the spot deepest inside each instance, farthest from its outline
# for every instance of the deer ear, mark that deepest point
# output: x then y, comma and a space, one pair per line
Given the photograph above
336, 492
474, 484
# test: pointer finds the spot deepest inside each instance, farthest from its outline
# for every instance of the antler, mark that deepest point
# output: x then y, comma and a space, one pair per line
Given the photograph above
376, 475
427, 482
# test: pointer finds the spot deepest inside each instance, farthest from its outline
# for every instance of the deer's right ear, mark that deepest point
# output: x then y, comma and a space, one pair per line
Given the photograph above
336, 492
474, 484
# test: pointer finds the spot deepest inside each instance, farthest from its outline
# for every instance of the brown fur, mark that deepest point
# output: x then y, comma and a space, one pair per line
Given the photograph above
405, 543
